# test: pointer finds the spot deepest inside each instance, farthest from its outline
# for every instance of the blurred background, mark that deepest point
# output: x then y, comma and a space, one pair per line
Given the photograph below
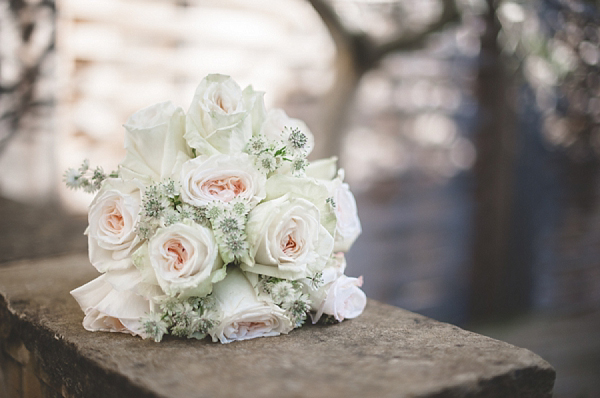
469, 130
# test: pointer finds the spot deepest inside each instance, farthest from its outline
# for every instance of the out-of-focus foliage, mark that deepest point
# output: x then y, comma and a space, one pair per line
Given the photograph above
556, 44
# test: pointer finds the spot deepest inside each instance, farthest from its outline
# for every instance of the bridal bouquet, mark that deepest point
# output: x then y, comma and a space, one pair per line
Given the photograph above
216, 224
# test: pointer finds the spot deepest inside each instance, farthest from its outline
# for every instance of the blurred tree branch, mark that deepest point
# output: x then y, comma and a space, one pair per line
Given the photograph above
357, 53
18, 97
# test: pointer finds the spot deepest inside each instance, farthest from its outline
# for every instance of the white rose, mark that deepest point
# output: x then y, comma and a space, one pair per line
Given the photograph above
244, 315
222, 117
348, 226
311, 189
339, 295
154, 143
286, 239
278, 126
185, 259
115, 302
221, 177
113, 216
323, 169
344, 299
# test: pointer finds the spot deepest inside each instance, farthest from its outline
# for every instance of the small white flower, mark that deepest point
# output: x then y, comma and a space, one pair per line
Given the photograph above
278, 126
154, 326
299, 165
171, 216
256, 145
297, 139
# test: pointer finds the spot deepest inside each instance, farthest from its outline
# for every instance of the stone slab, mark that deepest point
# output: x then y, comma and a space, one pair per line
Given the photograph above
387, 352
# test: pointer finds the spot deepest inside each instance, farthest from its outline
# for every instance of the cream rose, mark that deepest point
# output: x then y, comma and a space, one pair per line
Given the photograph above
339, 295
221, 178
245, 315
278, 126
185, 259
116, 301
222, 117
286, 238
112, 217
154, 143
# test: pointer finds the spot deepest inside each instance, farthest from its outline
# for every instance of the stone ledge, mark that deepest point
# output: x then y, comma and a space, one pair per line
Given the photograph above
387, 352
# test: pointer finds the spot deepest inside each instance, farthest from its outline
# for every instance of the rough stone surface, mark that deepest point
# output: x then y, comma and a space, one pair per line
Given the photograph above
387, 352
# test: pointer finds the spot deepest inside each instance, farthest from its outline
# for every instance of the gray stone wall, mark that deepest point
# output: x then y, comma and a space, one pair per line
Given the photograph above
386, 352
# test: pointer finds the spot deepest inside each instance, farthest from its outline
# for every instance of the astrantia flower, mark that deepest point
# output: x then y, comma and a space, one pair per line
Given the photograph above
171, 216
71, 178
294, 133
299, 166
267, 162
154, 326
256, 145
283, 292
296, 138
